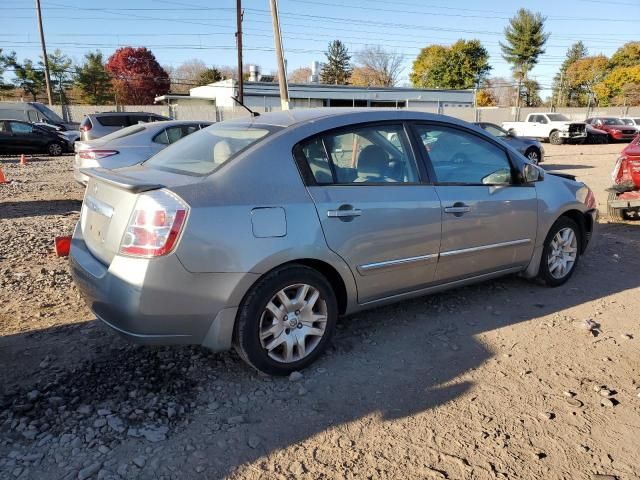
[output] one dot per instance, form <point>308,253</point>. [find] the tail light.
<point>155,225</point>
<point>96,154</point>
<point>590,200</point>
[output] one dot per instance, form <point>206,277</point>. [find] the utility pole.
<point>47,77</point>
<point>239,16</point>
<point>282,71</point>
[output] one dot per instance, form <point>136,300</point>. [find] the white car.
<point>131,145</point>
<point>552,127</point>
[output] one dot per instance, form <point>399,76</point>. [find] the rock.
<point>605,392</point>
<point>569,394</point>
<point>236,419</point>
<point>608,402</point>
<point>199,469</point>
<point>154,434</point>
<point>540,455</point>
<point>55,401</point>
<point>600,476</point>
<point>302,391</point>
<point>295,376</point>
<point>30,434</point>
<point>171,412</point>
<point>116,424</point>
<point>297,468</point>
<point>139,461</point>
<point>99,422</point>
<point>574,402</point>
<point>344,442</point>
<point>33,395</point>
<point>254,441</point>
<point>243,399</point>
<point>103,449</point>
<point>84,410</point>
<point>89,471</point>
<point>546,415</point>
<point>103,412</point>
<point>627,336</point>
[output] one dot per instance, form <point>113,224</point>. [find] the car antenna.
<point>253,114</point>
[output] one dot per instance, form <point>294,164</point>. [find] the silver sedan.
<point>260,233</point>
<point>130,145</point>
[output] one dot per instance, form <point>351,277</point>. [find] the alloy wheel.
<point>55,149</point>
<point>533,156</point>
<point>563,253</point>
<point>293,323</point>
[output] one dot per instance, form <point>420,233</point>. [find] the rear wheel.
<point>555,138</point>
<point>286,320</point>
<point>561,252</point>
<point>54,149</point>
<point>614,213</point>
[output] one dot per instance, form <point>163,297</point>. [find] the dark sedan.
<point>21,137</point>
<point>529,147</point>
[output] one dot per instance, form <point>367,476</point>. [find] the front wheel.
<point>286,320</point>
<point>555,138</point>
<point>54,149</point>
<point>533,154</point>
<point>561,252</point>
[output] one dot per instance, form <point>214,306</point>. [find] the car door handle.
<point>457,208</point>
<point>344,213</point>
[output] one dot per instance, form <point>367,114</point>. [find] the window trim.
<point>515,175</point>
<point>309,179</point>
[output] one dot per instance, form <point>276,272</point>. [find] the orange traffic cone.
<point>2,179</point>
<point>23,159</point>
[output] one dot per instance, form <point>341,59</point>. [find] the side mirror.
<point>531,173</point>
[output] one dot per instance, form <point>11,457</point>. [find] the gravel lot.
<point>498,380</point>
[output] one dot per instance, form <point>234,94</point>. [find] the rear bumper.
<point>157,301</point>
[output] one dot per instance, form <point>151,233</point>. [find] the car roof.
<point>124,113</point>
<point>289,118</point>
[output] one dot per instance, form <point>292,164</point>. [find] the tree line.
<point>133,75</point>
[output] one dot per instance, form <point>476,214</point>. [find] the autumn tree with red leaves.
<point>137,76</point>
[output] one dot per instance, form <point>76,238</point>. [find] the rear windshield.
<point>112,120</point>
<point>557,117</point>
<point>124,132</point>
<point>205,151</point>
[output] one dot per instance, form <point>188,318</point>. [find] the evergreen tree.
<point>525,40</point>
<point>563,93</point>
<point>93,80</point>
<point>60,71</point>
<point>337,69</point>
<point>209,75</point>
<point>6,61</point>
<point>29,78</point>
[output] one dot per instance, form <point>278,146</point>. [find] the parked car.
<point>96,125</point>
<point>624,195</point>
<point>70,136</point>
<point>616,129</point>
<point>596,136</point>
<point>22,137</point>
<point>34,112</point>
<point>552,127</point>
<point>632,122</point>
<point>131,145</point>
<point>529,147</point>
<point>260,232</point>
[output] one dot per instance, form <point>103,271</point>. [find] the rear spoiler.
<point>120,181</point>
<point>563,175</point>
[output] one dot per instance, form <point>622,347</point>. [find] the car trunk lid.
<point>109,200</point>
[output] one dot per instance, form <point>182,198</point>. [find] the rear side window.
<point>205,151</point>
<point>370,154</point>
<point>173,134</point>
<point>459,157</point>
<point>17,127</point>
<point>112,120</point>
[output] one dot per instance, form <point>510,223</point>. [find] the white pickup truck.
<point>552,127</point>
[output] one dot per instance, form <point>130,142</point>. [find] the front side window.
<point>459,157</point>
<point>494,130</point>
<point>364,154</point>
<point>17,127</point>
<point>205,151</point>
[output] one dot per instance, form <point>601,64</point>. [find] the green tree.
<point>530,93</point>
<point>337,69</point>
<point>465,64</point>
<point>209,75</point>
<point>525,39</point>
<point>29,78</point>
<point>6,61</point>
<point>564,94</point>
<point>93,80</point>
<point>61,74</point>
<point>626,56</point>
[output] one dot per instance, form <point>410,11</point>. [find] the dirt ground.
<point>498,380</point>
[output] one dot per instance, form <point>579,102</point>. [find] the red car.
<point>615,128</point>
<point>624,195</point>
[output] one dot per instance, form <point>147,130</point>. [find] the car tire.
<point>555,138</point>
<point>617,214</point>
<point>278,335</point>
<point>54,149</point>
<point>562,244</point>
<point>533,154</point>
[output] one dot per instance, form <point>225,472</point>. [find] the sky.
<point>176,31</point>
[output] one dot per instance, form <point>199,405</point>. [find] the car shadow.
<point>390,363</point>
<point>36,208</point>
<point>561,166</point>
